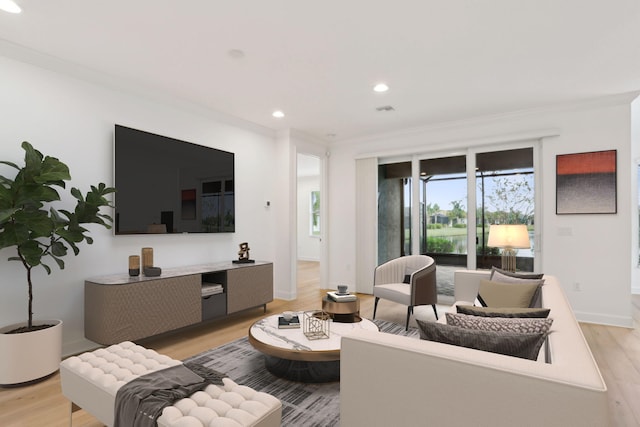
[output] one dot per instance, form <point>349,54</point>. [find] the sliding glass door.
<point>394,210</point>
<point>505,195</point>
<point>443,210</point>
<point>445,228</point>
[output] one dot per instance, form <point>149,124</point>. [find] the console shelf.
<point>119,307</point>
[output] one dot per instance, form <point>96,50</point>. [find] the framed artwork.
<point>586,183</point>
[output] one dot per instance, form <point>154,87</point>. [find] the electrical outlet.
<point>577,287</point>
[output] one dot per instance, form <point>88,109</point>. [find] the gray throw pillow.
<point>519,275</point>
<point>503,311</point>
<point>525,346</point>
<point>500,324</point>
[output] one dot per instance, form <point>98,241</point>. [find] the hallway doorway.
<point>309,223</point>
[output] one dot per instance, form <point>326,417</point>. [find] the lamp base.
<point>509,259</point>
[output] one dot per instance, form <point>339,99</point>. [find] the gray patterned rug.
<point>303,405</point>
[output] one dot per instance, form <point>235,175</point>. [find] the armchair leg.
<point>435,311</point>
<point>375,307</point>
<point>409,311</point>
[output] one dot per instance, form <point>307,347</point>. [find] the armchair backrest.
<point>395,270</point>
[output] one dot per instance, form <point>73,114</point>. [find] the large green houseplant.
<point>38,231</point>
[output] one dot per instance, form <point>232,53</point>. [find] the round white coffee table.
<point>290,354</point>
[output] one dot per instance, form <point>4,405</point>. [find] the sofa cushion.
<point>503,276</point>
<point>503,311</point>
<point>500,324</point>
<point>517,275</point>
<point>499,294</point>
<point>522,345</point>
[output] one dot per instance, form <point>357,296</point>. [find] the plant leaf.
<point>32,252</point>
<point>6,214</point>
<point>13,235</point>
<point>58,249</point>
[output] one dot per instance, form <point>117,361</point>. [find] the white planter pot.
<point>29,356</point>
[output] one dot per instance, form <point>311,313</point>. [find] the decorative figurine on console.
<point>243,254</point>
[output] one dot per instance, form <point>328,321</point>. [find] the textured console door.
<point>115,313</point>
<point>249,286</point>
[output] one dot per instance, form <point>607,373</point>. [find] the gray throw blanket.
<point>140,402</point>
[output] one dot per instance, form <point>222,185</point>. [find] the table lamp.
<point>509,237</point>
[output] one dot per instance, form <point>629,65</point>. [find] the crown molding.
<point>585,104</point>
<point>72,70</point>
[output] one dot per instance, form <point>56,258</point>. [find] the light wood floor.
<point>617,351</point>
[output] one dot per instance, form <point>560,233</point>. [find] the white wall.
<point>73,120</point>
<point>635,200</point>
<point>596,255</point>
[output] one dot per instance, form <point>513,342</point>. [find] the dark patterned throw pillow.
<point>503,311</point>
<point>522,345</point>
<point>500,324</point>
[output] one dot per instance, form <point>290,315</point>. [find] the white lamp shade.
<point>514,236</point>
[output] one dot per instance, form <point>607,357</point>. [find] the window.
<point>443,213</point>
<point>394,210</point>
<point>505,195</point>
<point>314,223</point>
<point>448,228</point>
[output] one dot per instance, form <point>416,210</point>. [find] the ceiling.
<point>444,60</point>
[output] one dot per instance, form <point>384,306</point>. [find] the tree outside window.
<point>314,229</point>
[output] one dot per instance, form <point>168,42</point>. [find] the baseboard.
<point>78,346</point>
<point>287,296</point>
<point>602,319</point>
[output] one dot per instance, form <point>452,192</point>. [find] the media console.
<point>119,307</point>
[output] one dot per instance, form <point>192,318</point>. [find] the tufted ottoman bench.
<point>231,405</point>
<point>91,381</point>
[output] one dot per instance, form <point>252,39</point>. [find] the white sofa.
<point>395,380</point>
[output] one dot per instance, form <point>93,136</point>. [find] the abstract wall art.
<point>586,183</point>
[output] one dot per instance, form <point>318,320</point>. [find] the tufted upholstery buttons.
<point>231,405</point>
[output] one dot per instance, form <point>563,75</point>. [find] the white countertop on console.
<point>124,278</point>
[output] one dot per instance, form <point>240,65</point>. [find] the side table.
<point>342,312</point>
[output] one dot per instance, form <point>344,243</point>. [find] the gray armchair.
<point>408,280</point>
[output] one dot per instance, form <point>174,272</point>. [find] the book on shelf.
<point>292,323</point>
<point>211,289</point>
<point>338,297</point>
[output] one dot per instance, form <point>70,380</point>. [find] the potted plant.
<point>40,233</point>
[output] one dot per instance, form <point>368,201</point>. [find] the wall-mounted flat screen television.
<point>164,185</point>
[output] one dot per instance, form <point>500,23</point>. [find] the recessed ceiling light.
<point>9,6</point>
<point>380,87</point>
<point>385,108</point>
<point>236,53</point>
<point>278,114</point>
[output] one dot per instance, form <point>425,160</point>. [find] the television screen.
<point>164,185</point>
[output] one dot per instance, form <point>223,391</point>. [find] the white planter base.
<point>29,356</point>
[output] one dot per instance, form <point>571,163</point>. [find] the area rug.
<point>304,405</point>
